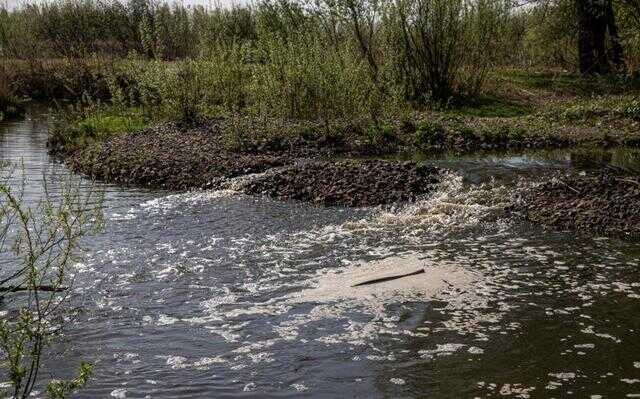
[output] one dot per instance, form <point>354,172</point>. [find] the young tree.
<point>37,246</point>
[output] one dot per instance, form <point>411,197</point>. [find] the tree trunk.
<point>591,37</point>
<point>596,22</point>
<point>616,54</point>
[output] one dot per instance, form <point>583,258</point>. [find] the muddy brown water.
<point>216,294</point>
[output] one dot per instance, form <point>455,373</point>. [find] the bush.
<point>302,80</point>
<point>38,245</point>
<point>447,46</point>
<point>429,134</point>
<point>381,134</point>
<point>10,105</point>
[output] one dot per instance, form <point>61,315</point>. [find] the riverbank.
<point>316,161</point>
<point>176,157</point>
<point>602,203</point>
<point>337,170</point>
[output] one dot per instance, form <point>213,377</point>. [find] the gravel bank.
<point>353,183</point>
<point>607,203</point>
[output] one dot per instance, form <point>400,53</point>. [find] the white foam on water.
<point>299,387</point>
<point>453,206</point>
<point>288,283</point>
<point>191,198</point>
<point>119,393</point>
<point>565,376</point>
<point>337,284</point>
<point>440,350</point>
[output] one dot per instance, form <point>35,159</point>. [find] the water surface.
<point>216,294</point>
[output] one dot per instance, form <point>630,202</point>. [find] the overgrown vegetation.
<point>38,244</point>
<point>379,65</point>
<point>10,105</point>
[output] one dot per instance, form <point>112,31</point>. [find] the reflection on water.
<point>504,165</point>
<point>216,294</point>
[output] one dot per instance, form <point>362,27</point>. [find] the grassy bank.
<point>518,110</point>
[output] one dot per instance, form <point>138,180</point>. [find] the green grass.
<point>565,83</point>
<point>99,126</point>
<point>76,130</point>
<point>493,107</point>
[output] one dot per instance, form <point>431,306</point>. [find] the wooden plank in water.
<point>388,278</point>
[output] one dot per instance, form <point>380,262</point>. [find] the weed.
<point>429,134</point>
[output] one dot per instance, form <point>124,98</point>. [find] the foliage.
<point>10,105</point>
<point>369,61</point>
<point>447,46</point>
<point>79,126</point>
<point>58,389</point>
<point>38,244</point>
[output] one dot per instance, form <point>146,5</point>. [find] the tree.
<point>599,47</point>
<point>37,247</point>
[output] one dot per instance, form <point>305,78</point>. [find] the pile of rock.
<point>348,183</point>
<point>606,203</point>
<point>168,157</point>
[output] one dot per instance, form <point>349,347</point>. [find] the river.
<point>214,294</point>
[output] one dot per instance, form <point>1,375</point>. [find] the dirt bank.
<point>606,203</point>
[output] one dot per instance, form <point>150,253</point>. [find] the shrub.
<point>446,46</point>
<point>303,80</point>
<point>38,244</point>
<point>10,105</point>
<point>381,134</point>
<point>429,134</point>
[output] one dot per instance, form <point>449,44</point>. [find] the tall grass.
<point>10,105</point>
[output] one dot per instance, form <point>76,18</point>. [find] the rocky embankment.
<point>350,183</point>
<point>606,203</point>
<point>167,157</point>
<point>174,158</point>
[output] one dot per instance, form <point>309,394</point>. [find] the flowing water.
<point>213,294</point>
